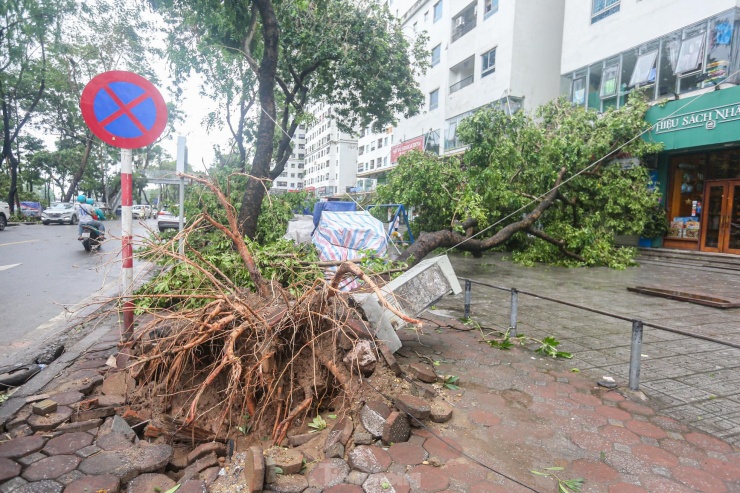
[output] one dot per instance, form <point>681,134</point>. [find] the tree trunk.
<point>81,170</point>
<point>257,185</point>
<point>428,242</point>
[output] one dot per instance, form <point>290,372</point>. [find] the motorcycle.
<point>91,238</point>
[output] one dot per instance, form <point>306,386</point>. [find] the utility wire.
<point>537,199</point>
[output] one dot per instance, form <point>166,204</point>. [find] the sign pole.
<point>127,252</point>
<point>124,110</point>
<point>181,142</point>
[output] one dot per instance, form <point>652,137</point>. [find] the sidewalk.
<point>514,412</point>
<point>694,381</point>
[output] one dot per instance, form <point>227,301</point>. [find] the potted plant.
<point>656,226</point>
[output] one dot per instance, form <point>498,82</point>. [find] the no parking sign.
<point>123,109</point>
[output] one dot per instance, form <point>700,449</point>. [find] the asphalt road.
<point>45,274</point>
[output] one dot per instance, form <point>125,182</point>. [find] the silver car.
<point>4,214</point>
<point>60,212</point>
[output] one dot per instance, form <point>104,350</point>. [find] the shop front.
<point>699,169</point>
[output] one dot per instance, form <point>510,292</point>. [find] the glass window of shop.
<point>698,56</point>
<point>687,177</point>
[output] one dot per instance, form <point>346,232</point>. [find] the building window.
<point>415,24</point>
<point>436,53</point>
<point>488,63</point>
<point>462,75</point>
<point>426,17</point>
<point>464,22</point>
<point>282,183</point>
<point>609,81</point>
<point>438,11</point>
<point>644,71</point>
<point>579,91</point>
<point>490,7</point>
<point>689,56</point>
<point>603,8</point>
<point>433,99</point>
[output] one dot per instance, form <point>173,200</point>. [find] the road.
<point>45,274</point>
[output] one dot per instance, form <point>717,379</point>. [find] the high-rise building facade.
<point>331,155</point>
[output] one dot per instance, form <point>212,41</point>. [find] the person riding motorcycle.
<point>86,216</point>
<point>98,212</point>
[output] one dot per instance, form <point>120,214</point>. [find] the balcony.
<point>462,74</point>
<point>464,22</point>
<point>463,83</point>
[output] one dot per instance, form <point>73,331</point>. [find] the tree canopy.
<point>549,182</point>
<point>268,59</point>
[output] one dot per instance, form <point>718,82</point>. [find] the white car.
<point>141,211</point>
<point>4,214</point>
<point>167,220</point>
<point>60,212</point>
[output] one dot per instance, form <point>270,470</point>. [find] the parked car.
<point>167,220</point>
<point>142,211</point>
<point>60,212</point>
<point>4,214</point>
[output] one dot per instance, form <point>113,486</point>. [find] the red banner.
<point>415,144</point>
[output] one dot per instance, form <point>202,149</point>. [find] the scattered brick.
<point>254,469</point>
<point>407,454</point>
<point>288,483</point>
<point>340,432</point>
<point>369,459</point>
<point>44,407</point>
<point>396,428</point>
<point>328,472</point>
<point>441,412</point>
<point>203,449</point>
<point>423,372</point>
<point>50,421</point>
<point>373,415</point>
<point>415,406</point>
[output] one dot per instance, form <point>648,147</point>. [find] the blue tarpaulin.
<point>331,207</point>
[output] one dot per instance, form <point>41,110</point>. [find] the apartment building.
<point>292,177</point>
<point>373,156</point>
<point>497,53</point>
<point>684,55</point>
<point>331,155</point>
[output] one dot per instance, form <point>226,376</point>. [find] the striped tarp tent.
<point>344,235</point>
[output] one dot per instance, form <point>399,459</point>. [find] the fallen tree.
<point>217,354</point>
<point>550,187</point>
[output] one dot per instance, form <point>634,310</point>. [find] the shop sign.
<point>707,118</point>
<point>398,150</point>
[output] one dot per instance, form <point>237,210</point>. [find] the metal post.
<point>181,152</point>
<point>635,355</point>
<point>468,289</point>
<point>513,312</point>
<point>127,251</point>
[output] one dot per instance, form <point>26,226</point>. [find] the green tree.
<point>98,37</point>
<point>28,29</point>
<point>350,55</point>
<point>538,180</point>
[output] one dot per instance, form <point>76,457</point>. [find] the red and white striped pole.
<point>127,252</point>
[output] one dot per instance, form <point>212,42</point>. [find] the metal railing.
<point>461,31</point>
<point>637,325</point>
<point>463,83</point>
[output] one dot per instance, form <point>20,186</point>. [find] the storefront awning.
<point>708,119</point>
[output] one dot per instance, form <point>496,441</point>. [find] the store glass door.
<point>721,222</point>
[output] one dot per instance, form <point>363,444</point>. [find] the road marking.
<point>6,267</point>
<point>17,242</point>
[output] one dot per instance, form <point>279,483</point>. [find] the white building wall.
<point>636,22</point>
<point>331,155</point>
<point>537,44</point>
<point>292,177</point>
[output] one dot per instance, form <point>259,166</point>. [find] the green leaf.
<point>539,473</point>
<point>554,469</point>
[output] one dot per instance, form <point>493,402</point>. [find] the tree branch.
<point>558,243</point>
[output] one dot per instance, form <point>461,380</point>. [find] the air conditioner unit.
<point>459,22</point>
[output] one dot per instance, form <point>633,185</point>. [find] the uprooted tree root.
<point>263,356</point>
